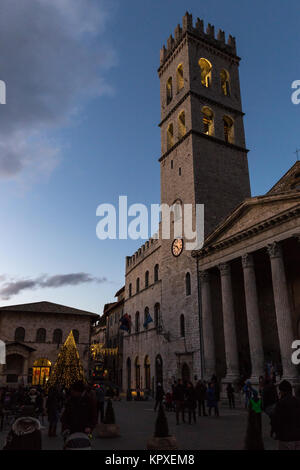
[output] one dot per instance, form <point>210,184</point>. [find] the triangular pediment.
<point>290,181</point>
<point>252,213</point>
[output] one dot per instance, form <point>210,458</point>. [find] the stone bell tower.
<point>203,154</point>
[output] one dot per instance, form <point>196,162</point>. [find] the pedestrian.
<point>159,395</point>
<point>201,390</point>
<point>247,391</point>
<point>191,402</point>
<point>25,433</point>
<point>78,415</point>
<point>230,396</point>
<point>212,401</point>
<point>53,407</point>
<point>100,395</point>
<point>178,396</point>
<point>285,418</point>
<point>254,440</point>
<point>269,397</point>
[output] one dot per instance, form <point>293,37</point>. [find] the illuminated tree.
<point>68,367</point>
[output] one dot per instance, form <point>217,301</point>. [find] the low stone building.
<point>33,334</point>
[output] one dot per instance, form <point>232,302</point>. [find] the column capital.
<point>224,269</point>
<point>204,276</point>
<point>274,250</point>
<point>247,260</point>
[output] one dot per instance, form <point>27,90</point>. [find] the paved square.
<point>137,421</point>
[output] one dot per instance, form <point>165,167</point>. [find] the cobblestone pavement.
<point>137,420</point>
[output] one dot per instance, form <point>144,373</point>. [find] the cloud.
<point>14,286</point>
<point>52,60</point>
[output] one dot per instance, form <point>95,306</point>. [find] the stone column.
<point>283,311</point>
<point>207,327</point>
<point>253,320</point>
<point>25,371</point>
<point>231,350</point>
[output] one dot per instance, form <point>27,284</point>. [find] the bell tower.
<point>203,154</point>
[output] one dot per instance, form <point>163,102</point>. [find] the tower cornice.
<point>203,98</point>
<point>205,136</point>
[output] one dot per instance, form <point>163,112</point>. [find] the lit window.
<point>208,121</point>
<point>206,68</point>
<point>224,75</point>
<point>180,79</point>
<point>169,89</point>
<point>228,129</point>
<point>170,136</point>
<point>181,125</point>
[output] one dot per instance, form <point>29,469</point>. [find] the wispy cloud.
<point>15,286</point>
<point>52,59</point>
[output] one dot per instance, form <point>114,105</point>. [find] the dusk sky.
<point>80,127</point>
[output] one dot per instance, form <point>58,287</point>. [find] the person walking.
<point>178,396</point>
<point>53,407</point>
<point>212,401</point>
<point>201,390</point>
<point>254,440</point>
<point>269,397</point>
<point>230,396</point>
<point>78,415</point>
<point>191,402</point>
<point>247,391</point>
<point>100,396</point>
<point>285,418</point>
<point>159,395</point>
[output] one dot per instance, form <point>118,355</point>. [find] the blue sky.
<point>80,126</point>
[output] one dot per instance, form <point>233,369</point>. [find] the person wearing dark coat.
<point>230,395</point>
<point>53,406</point>
<point>79,413</point>
<point>159,395</point>
<point>269,397</point>
<point>178,397</point>
<point>212,401</point>
<point>200,390</point>
<point>191,402</point>
<point>285,419</point>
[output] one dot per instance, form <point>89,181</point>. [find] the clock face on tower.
<point>177,247</point>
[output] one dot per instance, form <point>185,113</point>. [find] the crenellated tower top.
<point>198,30</point>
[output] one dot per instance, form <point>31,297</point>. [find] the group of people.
<point>187,397</point>
<point>283,409</point>
<point>78,409</point>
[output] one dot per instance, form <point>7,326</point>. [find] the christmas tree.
<point>161,425</point>
<point>67,368</point>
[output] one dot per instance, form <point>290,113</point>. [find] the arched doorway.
<point>14,367</point>
<point>41,371</point>
<point>128,373</point>
<point>147,373</point>
<point>137,373</point>
<point>185,372</point>
<point>158,369</point>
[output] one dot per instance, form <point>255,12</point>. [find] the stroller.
<point>77,441</point>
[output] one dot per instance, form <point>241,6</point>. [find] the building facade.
<point>203,161</point>
<point>33,334</point>
<point>249,270</point>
